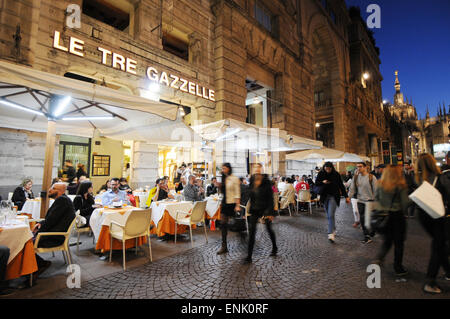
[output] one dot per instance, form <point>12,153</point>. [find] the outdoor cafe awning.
<point>325,154</point>
<point>236,135</point>
<point>26,94</point>
<point>39,101</point>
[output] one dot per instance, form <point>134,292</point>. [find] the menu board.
<point>101,165</point>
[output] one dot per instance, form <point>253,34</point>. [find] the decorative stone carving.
<point>195,49</point>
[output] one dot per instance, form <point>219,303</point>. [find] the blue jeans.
<point>330,206</point>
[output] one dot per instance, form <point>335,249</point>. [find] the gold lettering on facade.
<point>56,40</point>
<point>76,46</point>
<point>183,86</point>
<point>173,84</point>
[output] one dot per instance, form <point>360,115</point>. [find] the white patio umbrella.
<point>39,101</point>
<point>315,155</point>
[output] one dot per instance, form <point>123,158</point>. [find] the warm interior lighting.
<point>20,107</point>
<point>366,76</point>
<point>317,124</point>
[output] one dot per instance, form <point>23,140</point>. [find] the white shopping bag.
<point>368,214</point>
<point>429,199</point>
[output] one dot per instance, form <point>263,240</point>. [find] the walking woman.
<point>427,170</point>
<point>261,205</point>
<point>84,201</point>
<point>332,188</point>
<point>231,191</point>
<point>391,196</point>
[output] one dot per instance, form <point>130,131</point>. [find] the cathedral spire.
<point>428,113</point>
<point>397,83</point>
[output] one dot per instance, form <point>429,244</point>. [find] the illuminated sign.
<point>126,64</point>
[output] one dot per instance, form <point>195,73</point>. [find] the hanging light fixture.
<point>20,107</point>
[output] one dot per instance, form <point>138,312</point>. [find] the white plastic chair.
<point>10,195</point>
<point>64,247</point>
<point>304,196</point>
<point>137,225</point>
<point>80,230</point>
<point>197,215</point>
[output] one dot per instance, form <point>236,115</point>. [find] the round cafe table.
<point>164,214</point>
<point>33,207</point>
<point>100,221</point>
<point>17,236</point>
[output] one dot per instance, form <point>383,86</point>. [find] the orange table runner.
<point>216,215</point>
<point>104,241</point>
<point>167,226</point>
<point>23,264</point>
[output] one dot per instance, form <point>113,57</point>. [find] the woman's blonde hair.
<point>26,181</point>
<point>392,178</point>
<point>426,166</point>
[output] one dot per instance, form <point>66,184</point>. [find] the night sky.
<point>414,39</point>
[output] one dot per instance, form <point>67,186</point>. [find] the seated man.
<point>212,188</point>
<point>4,286</point>
<point>302,186</point>
<point>114,194</point>
<point>191,192</point>
<point>58,219</point>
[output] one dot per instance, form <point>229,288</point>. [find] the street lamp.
<point>366,76</point>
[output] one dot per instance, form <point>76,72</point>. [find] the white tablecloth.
<point>158,209</point>
<point>33,207</point>
<point>14,236</point>
<point>101,218</point>
<point>212,205</point>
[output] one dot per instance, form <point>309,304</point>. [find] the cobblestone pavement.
<point>308,266</point>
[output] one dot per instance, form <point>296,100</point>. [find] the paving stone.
<point>308,266</point>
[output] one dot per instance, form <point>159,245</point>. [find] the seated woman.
<point>163,192</point>
<point>22,193</point>
<point>288,194</point>
<point>105,187</point>
<point>84,200</point>
<point>124,185</point>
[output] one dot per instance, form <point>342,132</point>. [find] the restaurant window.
<point>176,45</point>
<point>76,149</point>
<point>333,16</point>
<point>263,16</point>
<point>319,98</point>
<point>101,165</point>
<point>115,13</point>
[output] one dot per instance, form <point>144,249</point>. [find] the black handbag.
<point>318,189</point>
<point>379,219</point>
<point>237,224</point>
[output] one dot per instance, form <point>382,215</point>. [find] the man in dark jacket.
<point>58,219</point>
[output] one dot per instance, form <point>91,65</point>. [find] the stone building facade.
<point>286,64</point>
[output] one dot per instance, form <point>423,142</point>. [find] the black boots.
<point>223,250</point>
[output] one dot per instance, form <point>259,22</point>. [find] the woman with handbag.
<point>231,190</point>
<point>330,187</point>
<point>427,170</point>
<point>391,197</point>
<point>261,205</point>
